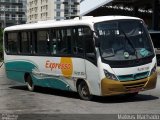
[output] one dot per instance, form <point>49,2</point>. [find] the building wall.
<point>40,10</point>
<point>12,12</point>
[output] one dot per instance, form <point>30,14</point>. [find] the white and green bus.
<point>100,56</point>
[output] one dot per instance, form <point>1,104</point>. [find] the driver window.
<point>78,43</point>
<point>83,43</point>
<point>89,45</point>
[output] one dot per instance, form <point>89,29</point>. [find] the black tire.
<point>83,91</point>
<point>131,94</point>
<point>29,83</point>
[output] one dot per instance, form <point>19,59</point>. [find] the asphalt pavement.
<point>17,100</point>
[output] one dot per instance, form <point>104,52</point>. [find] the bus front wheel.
<point>29,83</point>
<point>83,91</point>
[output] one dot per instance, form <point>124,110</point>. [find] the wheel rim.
<point>30,83</point>
<point>83,91</point>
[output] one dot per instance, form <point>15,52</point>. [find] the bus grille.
<point>130,77</point>
<point>132,86</point>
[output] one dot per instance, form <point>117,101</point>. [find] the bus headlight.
<point>153,69</point>
<point>110,75</point>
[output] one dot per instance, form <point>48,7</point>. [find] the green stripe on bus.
<point>16,70</point>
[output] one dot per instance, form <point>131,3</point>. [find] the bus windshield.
<point>123,40</point>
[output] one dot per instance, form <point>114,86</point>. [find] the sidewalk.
<point>2,72</point>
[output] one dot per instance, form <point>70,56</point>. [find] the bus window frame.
<point>29,41</point>
<point>6,43</point>
<point>33,46</point>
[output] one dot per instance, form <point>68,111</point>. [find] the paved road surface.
<point>15,98</point>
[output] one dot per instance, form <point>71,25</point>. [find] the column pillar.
<point>155,15</point>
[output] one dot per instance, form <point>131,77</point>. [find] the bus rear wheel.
<point>29,83</point>
<point>83,91</point>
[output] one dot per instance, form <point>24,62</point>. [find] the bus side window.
<point>12,42</point>
<point>43,42</point>
<point>6,42</point>
<point>68,39</point>
<point>88,38</point>
<point>34,42</point>
<point>89,45</point>
<point>60,42</point>
<point>63,41</point>
<point>25,42</point>
<point>53,42</point>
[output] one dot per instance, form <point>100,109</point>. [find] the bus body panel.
<point>17,67</point>
<point>46,73</point>
<point>93,78</point>
<point>54,72</point>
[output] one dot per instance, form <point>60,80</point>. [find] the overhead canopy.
<point>149,10</point>
<point>88,6</point>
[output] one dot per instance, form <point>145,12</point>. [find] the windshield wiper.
<point>129,41</point>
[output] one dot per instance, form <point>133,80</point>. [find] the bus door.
<point>84,52</point>
<point>92,70</point>
<point>78,49</point>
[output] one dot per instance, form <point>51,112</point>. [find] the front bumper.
<point>112,87</point>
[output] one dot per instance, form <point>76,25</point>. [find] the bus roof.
<point>71,22</point>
